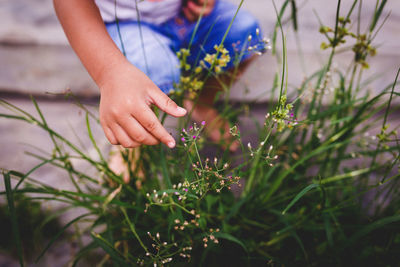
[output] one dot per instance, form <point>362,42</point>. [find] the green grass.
<point>315,191</point>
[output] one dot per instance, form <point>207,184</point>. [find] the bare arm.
<point>126,92</point>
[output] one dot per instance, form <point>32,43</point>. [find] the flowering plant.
<point>297,195</point>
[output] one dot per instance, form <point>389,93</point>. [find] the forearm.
<point>88,36</point>
<point>126,92</point>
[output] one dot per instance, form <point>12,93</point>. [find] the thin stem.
<point>133,229</point>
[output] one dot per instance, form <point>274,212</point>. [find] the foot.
<point>120,166</point>
<point>217,129</point>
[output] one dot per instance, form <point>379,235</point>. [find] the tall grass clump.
<point>317,186</point>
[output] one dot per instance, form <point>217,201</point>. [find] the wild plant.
<point>296,195</point>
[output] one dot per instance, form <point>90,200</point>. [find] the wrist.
<point>110,71</point>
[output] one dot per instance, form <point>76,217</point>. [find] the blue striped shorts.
<point>155,55</point>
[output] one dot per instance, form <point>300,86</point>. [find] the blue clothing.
<point>156,57</point>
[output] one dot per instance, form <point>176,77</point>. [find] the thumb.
<point>166,104</point>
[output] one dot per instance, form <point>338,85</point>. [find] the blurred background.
<point>37,60</point>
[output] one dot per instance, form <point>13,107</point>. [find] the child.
<point>151,32</point>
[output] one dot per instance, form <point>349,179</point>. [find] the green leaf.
<point>346,175</point>
<point>14,222</point>
<point>116,255</point>
<point>231,238</point>
<point>24,176</point>
<point>235,208</point>
<point>85,250</point>
<point>279,16</point>
<point>324,147</point>
<point>299,196</point>
<point>59,234</point>
<point>164,168</point>
<point>133,229</point>
<point>294,14</point>
<point>92,138</point>
<point>371,227</point>
<point>377,15</point>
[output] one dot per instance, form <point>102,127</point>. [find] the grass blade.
<point>24,176</point>
<point>274,36</point>
<point>92,138</point>
<point>110,249</point>
<point>299,196</point>
<point>371,227</point>
<point>313,153</point>
<point>346,175</point>
<point>11,207</point>
<point>231,238</point>
<point>133,229</point>
<point>56,146</point>
<point>294,14</point>
<point>59,234</point>
<point>85,250</point>
<point>377,15</point>
<point>164,168</point>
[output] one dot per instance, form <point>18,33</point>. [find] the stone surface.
<point>43,69</point>
<point>29,23</point>
<point>20,138</point>
<point>303,48</point>
<point>36,59</point>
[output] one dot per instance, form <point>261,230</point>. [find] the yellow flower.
<point>209,58</point>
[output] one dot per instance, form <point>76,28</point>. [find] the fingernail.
<point>171,144</point>
<point>181,110</point>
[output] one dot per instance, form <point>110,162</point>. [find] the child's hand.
<point>195,8</point>
<point>125,113</point>
<point>126,92</point>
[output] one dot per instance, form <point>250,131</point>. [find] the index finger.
<point>151,123</point>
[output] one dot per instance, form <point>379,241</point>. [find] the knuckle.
<point>128,102</point>
<point>136,145</point>
<point>102,122</point>
<point>154,142</point>
<point>151,126</point>
<point>115,112</point>
<point>113,142</point>
<point>169,102</point>
<point>109,135</point>
<point>126,143</point>
<point>140,138</point>
<point>151,142</point>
